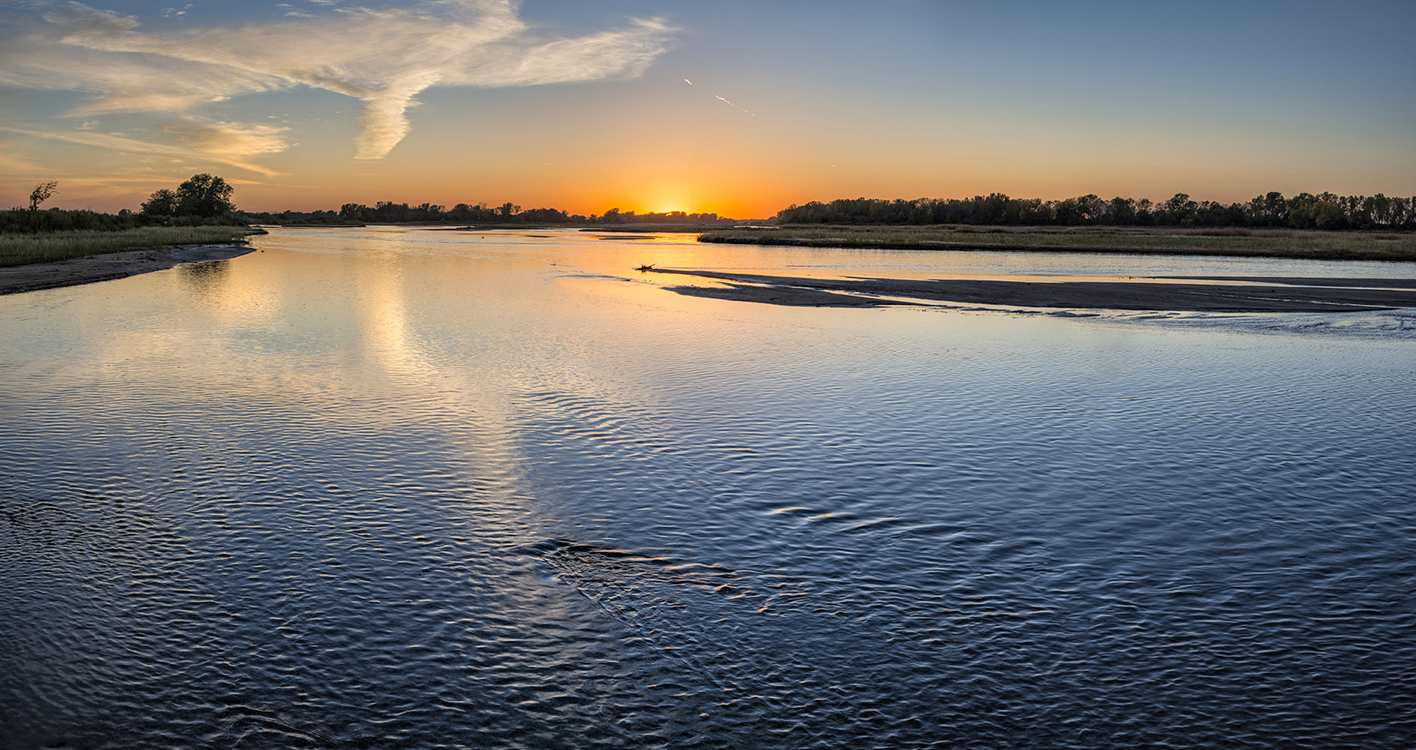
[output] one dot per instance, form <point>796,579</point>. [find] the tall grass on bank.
<point>23,221</point>
<point>1273,243</point>
<point>20,249</point>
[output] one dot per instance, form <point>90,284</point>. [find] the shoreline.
<point>1188,294</point>
<point>32,277</point>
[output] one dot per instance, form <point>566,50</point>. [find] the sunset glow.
<point>737,110</point>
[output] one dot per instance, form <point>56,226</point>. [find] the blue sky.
<point>735,107</point>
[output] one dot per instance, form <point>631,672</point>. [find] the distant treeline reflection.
<point>1302,211</point>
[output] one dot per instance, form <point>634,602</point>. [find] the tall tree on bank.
<point>203,196</point>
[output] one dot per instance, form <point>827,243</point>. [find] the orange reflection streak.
<point>391,339</point>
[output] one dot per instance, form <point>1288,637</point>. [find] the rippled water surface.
<point>385,488</point>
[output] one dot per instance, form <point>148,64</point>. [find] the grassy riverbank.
<point>21,249</point>
<point>1274,243</point>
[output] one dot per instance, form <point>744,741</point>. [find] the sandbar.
<point>1191,294</point>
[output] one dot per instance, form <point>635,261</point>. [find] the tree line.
<point>388,212</point>
<point>206,199</point>
<point>1303,211</point>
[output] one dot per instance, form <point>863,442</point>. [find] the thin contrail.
<point>734,106</point>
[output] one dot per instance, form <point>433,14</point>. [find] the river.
<point>406,488</point>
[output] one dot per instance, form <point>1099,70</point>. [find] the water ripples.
<point>599,519</point>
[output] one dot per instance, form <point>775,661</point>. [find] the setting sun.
<point>670,196</point>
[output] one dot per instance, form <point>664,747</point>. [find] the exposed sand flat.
<point>1264,295</point>
<point>1308,281</point>
<point>26,278</point>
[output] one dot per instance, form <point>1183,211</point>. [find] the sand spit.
<point>34,276</point>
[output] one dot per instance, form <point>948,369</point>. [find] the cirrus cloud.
<point>383,57</point>
<point>119,142</point>
<point>228,138</point>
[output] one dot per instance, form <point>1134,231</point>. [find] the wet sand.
<point>34,276</point>
<point>1189,294</point>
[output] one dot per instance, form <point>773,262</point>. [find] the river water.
<point>410,488</point>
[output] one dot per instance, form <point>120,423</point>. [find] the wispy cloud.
<point>119,142</point>
<point>12,164</point>
<point>383,57</point>
<point>228,138</point>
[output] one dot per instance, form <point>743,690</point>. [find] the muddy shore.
<point>1227,294</point>
<point>34,276</point>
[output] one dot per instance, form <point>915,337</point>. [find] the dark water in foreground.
<point>416,489</point>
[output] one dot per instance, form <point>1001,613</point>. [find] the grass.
<point>21,249</point>
<point>1273,243</point>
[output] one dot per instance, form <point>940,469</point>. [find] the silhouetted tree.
<point>41,193</point>
<point>162,203</point>
<point>1269,210</point>
<point>1121,211</point>
<point>353,211</point>
<point>205,196</point>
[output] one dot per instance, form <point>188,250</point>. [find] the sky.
<point>735,108</point>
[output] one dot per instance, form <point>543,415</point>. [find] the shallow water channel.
<point>413,488</point>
